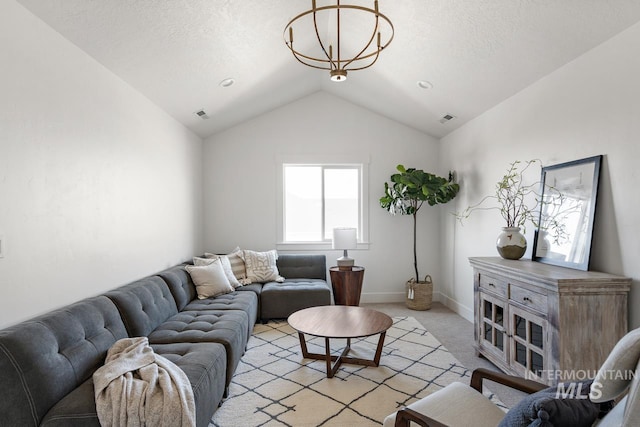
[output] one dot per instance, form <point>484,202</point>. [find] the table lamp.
<point>345,238</point>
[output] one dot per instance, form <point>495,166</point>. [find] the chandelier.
<point>360,58</point>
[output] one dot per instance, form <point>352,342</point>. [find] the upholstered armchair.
<point>614,398</point>
<point>460,404</point>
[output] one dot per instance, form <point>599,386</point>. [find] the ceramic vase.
<point>511,243</point>
<point>544,244</point>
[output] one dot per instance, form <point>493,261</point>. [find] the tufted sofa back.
<point>180,284</point>
<point>297,266</point>
<point>144,304</point>
<point>45,358</point>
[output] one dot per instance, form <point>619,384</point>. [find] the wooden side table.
<point>347,285</point>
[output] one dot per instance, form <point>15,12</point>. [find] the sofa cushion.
<point>245,301</point>
<point>144,305</point>
<point>76,409</point>
<point>455,405</point>
<point>205,364</point>
<point>44,359</point>
<point>180,284</point>
<point>202,363</point>
<point>301,266</point>
<point>279,300</point>
<point>227,327</point>
<point>256,288</point>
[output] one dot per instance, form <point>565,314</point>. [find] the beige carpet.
<point>275,386</point>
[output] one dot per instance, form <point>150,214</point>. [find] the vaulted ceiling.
<point>474,53</point>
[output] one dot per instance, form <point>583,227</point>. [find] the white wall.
<point>98,187</point>
<point>590,106</point>
<point>240,184</point>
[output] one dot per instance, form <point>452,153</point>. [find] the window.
<point>317,197</point>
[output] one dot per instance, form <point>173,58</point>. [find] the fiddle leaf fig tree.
<point>410,189</point>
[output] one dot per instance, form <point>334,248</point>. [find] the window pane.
<point>499,315</point>
<point>318,198</point>
<point>536,335</point>
<point>521,354</point>
<point>521,327</point>
<point>499,340</point>
<point>303,203</point>
<point>488,310</point>
<point>536,362</point>
<point>488,329</point>
<point>341,190</point>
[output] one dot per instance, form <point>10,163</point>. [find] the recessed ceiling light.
<point>227,82</point>
<point>423,84</point>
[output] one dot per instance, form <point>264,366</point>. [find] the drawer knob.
<point>526,299</point>
<point>492,285</point>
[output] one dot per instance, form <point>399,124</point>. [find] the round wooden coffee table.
<point>340,321</point>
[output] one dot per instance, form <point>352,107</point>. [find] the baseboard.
<point>454,305</point>
<point>382,297</point>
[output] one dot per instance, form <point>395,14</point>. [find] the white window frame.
<point>339,160</point>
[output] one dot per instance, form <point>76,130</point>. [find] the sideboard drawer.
<point>529,298</point>
<point>494,285</point>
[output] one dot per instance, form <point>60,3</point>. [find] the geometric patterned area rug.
<point>275,386</point>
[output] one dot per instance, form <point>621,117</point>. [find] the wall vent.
<point>446,118</point>
<point>202,114</point>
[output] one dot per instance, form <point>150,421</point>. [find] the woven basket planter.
<point>419,294</point>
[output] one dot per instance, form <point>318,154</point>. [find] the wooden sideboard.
<point>546,322</point>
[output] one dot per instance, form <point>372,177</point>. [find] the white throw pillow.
<point>210,279</point>
<point>261,266</point>
<point>226,266</point>
<point>237,265</point>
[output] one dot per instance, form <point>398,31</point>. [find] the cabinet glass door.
<point>529,342</point>
<point>492,325</point>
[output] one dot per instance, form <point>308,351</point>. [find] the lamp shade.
<point>345,238</point>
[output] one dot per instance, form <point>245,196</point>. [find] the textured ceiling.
<point>475,53</point>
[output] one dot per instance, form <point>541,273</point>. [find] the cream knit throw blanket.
<point>137,387</point>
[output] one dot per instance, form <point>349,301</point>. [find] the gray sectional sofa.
<point>47,363</point>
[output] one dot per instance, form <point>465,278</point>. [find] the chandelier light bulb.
<point>338,75</point>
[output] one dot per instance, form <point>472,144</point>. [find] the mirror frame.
<point>547,173</point>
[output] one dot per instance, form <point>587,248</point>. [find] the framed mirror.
<point>568,205</point>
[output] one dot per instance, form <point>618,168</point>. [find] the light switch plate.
<point>2,248</point>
